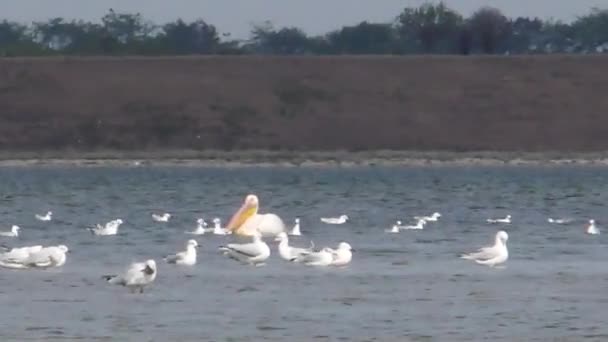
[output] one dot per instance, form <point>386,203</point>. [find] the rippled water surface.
<point>407,286</point>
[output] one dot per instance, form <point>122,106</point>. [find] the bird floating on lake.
<point>14,232</point>
<point>161,218</point>
<point>296,228</point>
<point>592,229</point>
<point>47,217</point>
<point>335,220</point>
<point>500,220</point>
<point>493,255</point>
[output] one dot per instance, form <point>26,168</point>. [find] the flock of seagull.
<point>246,222</point>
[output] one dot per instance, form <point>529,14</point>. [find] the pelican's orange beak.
<point>247,210</point>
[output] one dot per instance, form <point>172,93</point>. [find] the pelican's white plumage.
<point>296,228</point>
<point>110,228</point>
<point>507,219</point>
<point>493,255</point>
<point>288,252</point>
<point>246,221</point>
<point>187,257</point>
<point>335,220</point>
<point>47,217</point>
<point>136,277</point>
<point>592,228</point>
<point>254,253</point>
<point>14,232</point>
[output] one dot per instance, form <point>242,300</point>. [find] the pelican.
<point>296,228</point>
<point>591,228</point>
<point>502,220</point>
<point>494,255</point>
<point>47,217</point>
<point>246,221</point>
<point>13,233</point>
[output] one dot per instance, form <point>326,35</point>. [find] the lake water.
<point>400,287</point>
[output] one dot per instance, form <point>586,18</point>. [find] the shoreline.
<point>260,158</point>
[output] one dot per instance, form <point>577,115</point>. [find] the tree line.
<point>428,29</point>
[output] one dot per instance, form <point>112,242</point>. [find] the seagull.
<point>13,233</point>
<point>296,228</point>
<point>254,253</point>
<point>137,276</point>
<point>161,218</point>
<point>20,254</point>
<point>504,220</point>
<point>324,257</point>
<point>110,228</point>
<point>433,218</point>
<point>32,257</point>
<point>559,221</point>
<point>342,255</point>
<point>420,225</point>
<point>217,227</point>
<point>494,255</point>
<point>201,227</point>
<point>335,220</point>
<point>288,252</point>
<point>395,228</point>
<point>47,217</point>
<point>187,257</point>
<point>592,229</point>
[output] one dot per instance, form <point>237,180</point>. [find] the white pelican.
<point>161,218</point>
<point>432,218</point>
<point>288,252</point>
<point>246,221</point>
<point>110,228</point>
<point>494,255</point>
<point>592,229</point>
<point>335,220</point>
<point>13,233</point>
<point>137,276</point>
<point>187,257</point>
<point>296,228</point>
<point>559,221</point>
<point>254,253</point>
<point>47,217</point>
<point>502,220</point>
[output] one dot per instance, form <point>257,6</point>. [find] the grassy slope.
<point>557,103</point>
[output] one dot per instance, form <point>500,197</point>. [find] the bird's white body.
<point>288,252</point>
<point>493,255</point>
<point>137,276</point>
<point>253,253</point>
<point>34,257</point>
<point>501,220</point>
<point>47,217</point>
<point>342,255</point>
<point>110,228</point>
<point>559,221</point>
<point>19,255</point>
<point>324,257</point>
<point>433,218</point>
<point>592,228</point>
<point>217,227</point>
<point>335,220</point>
<point>161,218</point>
<point>201,228</point>
<point>419,225</point>
<point>14,232</point>
<point>246,221</point>
<point>296,228</point>
<point>396,227</point>
<point>187,257</point>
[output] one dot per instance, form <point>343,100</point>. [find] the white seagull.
<point>14,232</point>
<point>324,257</point>
<point>503,220</point>
<point>395,228</point>
<point>217,227</point>
<point>419,225</point>
<point>559,220</point>
<point>110,228</point>
<point>31,257</point>
<point>254,253</point>
<point>335,220</point>
<point>187,257</point>
<point>494,255</point>
<point>201,227</point>
<point>137,276</point>
<point>592,229</point>
<point>288,252</point>
<point>161,218</point>
<point>20,254</point>
<point>342,255</point>
<point>432,218</point>
<point>47,217</point>
<point>296,228</point>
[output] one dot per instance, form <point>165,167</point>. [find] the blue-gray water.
<point>408,286</point>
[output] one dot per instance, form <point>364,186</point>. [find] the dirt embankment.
<point>542,103</point>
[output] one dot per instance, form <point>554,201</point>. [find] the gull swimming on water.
<point>187,257</point>
<point>296,228</point>
<point>288,252</point>
<point>217,227</point>
<point>201,227</point>
<point>46,217</point>
<point>494,255</point>
<point>419,225</point>
<point>433,218</point>
<point>592,229</point>
<point>395,228</point>
<point>502,220</point>
<point>161,218</point>
<point>328,256</point>
<point>254,253</point>
<point>32,257</point>
<point>335,220</point>
<point>559,220</point>
<point>110,228</point>
<point>13,233</point>
<point>137,276</point>
<point>342,255</point>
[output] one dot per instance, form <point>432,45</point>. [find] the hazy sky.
<point>314,16</point>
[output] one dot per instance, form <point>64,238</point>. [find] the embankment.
<point>529,103</point>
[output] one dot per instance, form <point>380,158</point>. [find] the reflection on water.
<point>408,286</point>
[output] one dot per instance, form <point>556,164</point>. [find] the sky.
<point>313,16</point>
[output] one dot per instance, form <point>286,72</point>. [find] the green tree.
<point>364,38</point>
<point>197,37</point>
<point>491,28</point>
<point>286,41</point>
